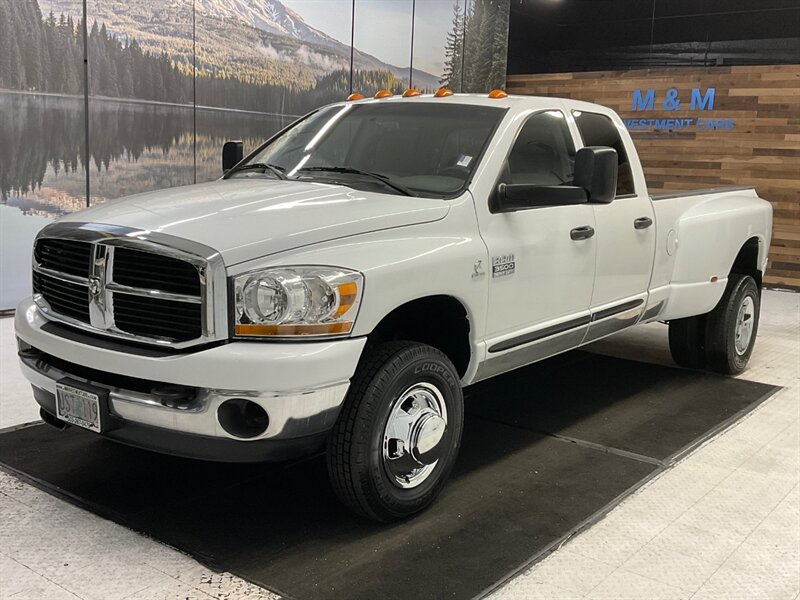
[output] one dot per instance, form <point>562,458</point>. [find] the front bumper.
<point>301,386</point>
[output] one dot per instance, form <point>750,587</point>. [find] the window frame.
<point>493,208</point>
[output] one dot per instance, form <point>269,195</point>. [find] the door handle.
<point>642,223</point>
<point>582,233</point>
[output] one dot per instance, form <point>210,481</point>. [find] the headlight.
<point>296,301</point>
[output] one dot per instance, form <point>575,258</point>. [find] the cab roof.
<point>511,101</point>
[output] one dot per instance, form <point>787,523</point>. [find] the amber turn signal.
<point>348,292</point>
<point>443,93</point>
<point>383,94</point>
<point>497,94</point>
<point>355,96</point>
<point>300,329</point>
<point>411,92</point>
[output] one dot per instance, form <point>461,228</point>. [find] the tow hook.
<point>174,396</point>
<point>51,420</point>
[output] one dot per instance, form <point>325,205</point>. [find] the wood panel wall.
<point>763,149</point>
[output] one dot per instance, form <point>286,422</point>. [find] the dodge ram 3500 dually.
<point>340,285</point>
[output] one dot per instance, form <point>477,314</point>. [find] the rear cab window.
<point>599,130</point>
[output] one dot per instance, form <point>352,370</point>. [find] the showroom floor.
<point>723,523</point>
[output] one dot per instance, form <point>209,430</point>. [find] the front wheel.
<point>399,431</point>
<point>732,326</point>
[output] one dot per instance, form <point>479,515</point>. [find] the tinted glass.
<point>543,153</point>
<point>430,149</point>
<point>599,130</point>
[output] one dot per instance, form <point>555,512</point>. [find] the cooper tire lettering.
<point>430,367</point>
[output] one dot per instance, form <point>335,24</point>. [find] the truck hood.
<point>244,219</point>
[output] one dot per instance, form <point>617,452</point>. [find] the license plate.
<point>78,407</point>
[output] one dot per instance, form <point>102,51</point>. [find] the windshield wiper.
<point>274,169</point>
<point>380,177</point>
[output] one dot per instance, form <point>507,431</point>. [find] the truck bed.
<point>699,192</point>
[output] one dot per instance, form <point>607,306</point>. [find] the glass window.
<point>429,149</point>
<point>543,153</point>
<point>599,130</point>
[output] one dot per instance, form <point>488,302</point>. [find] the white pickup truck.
<point>338,287</point>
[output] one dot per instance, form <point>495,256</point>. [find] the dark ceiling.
<point>578,35</point>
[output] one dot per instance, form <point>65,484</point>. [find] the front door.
<point>542,260</point>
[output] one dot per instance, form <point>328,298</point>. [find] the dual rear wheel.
<point>723,339</point>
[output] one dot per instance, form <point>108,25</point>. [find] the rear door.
<point>625,232</point>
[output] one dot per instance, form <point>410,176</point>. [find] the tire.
<point>687,342</point>
<point>380,473</point>
<point>728,343</point>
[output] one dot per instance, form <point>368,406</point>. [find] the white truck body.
<point>527,288</point>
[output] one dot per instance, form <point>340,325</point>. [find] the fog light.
<point>242,418</point>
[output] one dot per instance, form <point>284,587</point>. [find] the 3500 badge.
<point>503,265</point>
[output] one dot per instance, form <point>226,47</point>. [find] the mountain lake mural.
<point>169,83</point>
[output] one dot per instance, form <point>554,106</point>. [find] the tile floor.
<point>723,523</point>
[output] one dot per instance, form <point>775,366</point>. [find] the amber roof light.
<point>411,93</point>
<point>443,93</point>
<point>355,96</point>
<point>497,94</point>
<point>383,94</point>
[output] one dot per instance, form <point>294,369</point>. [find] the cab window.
<point>543,153</point>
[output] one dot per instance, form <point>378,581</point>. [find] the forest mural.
<point>169,82</point>
<point>476,46</point>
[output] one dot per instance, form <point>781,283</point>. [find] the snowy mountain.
<point>254,40</point>
<point>267,15</point>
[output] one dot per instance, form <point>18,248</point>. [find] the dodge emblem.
<point>95,286</point>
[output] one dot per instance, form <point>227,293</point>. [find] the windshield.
<point>421,149</point>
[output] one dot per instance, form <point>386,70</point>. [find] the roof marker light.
<point>383,94</point>
<point>497,94</point>
<point>355,96</point>
<point>411,93</point>
<point>443,93</point>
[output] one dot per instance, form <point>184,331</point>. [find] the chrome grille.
<point>65,256</point>
<point>169,319</point>
<point>122,284</point>
<point>69,299</point>
<point>155,271</point>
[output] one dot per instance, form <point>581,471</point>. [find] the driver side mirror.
<point>521,196</point>
<point>596,170</point>
<point>595,180</point>
<point>232,154</point>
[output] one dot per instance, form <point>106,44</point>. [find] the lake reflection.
<point>134,147</point>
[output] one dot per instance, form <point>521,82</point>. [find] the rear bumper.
<point>300,386</point>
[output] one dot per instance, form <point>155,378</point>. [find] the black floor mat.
<point>642,408</point>
<point>545,448</point>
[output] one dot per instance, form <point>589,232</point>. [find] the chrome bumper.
<point>301,386</point>
<point>297,414</point>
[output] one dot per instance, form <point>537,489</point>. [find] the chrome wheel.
<point>414,430</point>
<point>745,321</point>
